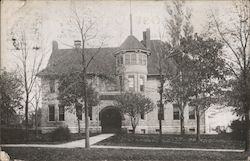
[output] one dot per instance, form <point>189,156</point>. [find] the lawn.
<point>60,154</point>
<point>42,139</point>
<point>174,141</point>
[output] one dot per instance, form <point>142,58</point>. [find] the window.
<point>119,59</point>
<point>133,59</point>
<point>140,59</point>
<point>52,86</point>
<point>176,112</point>
<point>191,113</point>
<point>144,59</point>
<point>127,59</point>
<point>51,112</point>
<point>79,111</point>
<point>131,83</point>
<point>142,82</point>
<point>61,112</point>
<point>90,112</point>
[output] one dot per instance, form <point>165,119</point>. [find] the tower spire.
<point>131,29</point>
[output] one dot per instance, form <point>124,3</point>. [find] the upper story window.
<point>51,112</point>
<point>191,113</point>
<point>142,59</point>
<point>119,59</point>
<point>131,83</point>
<point>127,59</point>
<point>142,83</point>
<point>176,112</point>
<point>133,59</point>
<point>52,86</point>
<point>61,113</point>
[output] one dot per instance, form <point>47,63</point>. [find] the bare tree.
<point>35,102</point>
<point>30,63</point>
<point>178,26</point>
<point>27,40</point>
<point>235,35</point>
<point>165,67</point>
<point>85,27</point>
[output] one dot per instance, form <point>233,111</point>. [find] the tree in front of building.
<point>11,95</point>
<point>134,105</point>
<point>235,35</point>
<point>178,25</point>
<point>71,95</point>
<point>207,71</point>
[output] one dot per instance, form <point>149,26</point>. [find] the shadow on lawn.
<point>174,141</point>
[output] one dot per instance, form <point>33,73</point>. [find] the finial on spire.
<point>131,29</point>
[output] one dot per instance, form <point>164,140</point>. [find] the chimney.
<point>54,46</point>
<point>77,44</point>
<point>146,38</point>
<point>147,42</point>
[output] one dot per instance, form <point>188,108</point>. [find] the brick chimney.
<point>54,46</point>
<point>146,38</point>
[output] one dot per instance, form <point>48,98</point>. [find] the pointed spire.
<point>131,29</point>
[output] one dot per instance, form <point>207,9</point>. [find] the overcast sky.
<point>111,17</point>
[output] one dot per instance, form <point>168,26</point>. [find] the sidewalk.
<point>98,138</point>
<point>73,144</point>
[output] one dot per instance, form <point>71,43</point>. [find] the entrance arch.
<point>111,120</point>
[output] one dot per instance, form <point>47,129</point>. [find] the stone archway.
<point>111,120</point>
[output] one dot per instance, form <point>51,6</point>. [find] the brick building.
<point>139,74</point>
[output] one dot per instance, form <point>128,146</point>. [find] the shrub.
<point>60,134</point>
<point>238,130</point>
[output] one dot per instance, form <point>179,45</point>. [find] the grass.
<point>44,139</point>
<point>56,154</point>
<point>174,141</point>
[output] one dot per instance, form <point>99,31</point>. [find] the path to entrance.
<point>98,138</point>
<point>73,144</point>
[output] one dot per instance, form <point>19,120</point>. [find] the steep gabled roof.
<point>64,61</point>
<point>132,42</point>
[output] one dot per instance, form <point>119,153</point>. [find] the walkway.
<point>98,138</point>
<point>73,144</point>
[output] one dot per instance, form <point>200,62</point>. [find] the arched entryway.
<point>111,120</point>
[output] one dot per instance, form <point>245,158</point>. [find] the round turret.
<point>131,62</point>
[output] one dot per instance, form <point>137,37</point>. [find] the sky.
<point>111,20</point>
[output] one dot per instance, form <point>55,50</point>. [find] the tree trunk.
<point>197,125</point>
<point>161,113</point>
<point>182,124</point>
<point>36,124</point>
<point>160,131</point>
<point>84,76</point>
<point>1,121</point>
<point>26,118</point>
<point>133,129</point>
<point>247,133</point>
<point>79,126</point>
